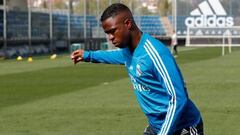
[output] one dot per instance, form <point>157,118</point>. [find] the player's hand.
<point>77,56</point>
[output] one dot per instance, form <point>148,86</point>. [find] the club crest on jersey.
<point>138,70</point>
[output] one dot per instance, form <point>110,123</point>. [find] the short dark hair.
<point>114,10</point>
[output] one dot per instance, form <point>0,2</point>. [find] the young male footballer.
<point>157,81</point>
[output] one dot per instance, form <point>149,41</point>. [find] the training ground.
<point>54,97</point>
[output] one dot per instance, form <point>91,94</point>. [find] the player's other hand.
<point>77,56</point>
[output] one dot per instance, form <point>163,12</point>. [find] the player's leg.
<point>192,130</point>
<point>149,131</point>
<point>175,50</point>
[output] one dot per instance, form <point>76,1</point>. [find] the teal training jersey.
<point>157,81</point>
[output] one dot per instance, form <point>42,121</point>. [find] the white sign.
<point>209,14</point>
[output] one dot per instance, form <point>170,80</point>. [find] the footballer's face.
<point>118,30</point>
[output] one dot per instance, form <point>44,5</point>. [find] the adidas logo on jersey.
<point>209,14</point>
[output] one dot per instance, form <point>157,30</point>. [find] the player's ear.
<point>128,24</point>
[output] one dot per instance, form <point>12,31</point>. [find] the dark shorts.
<point>192,130</point>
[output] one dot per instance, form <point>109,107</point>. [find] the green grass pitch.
<point>54,97</point>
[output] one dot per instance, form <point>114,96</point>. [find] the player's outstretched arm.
<point>100,56</point>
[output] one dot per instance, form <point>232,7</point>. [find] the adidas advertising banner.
<point>207,13</point>
<point>209,21</point>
